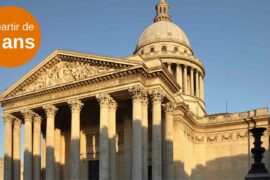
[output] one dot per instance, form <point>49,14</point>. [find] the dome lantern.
<point>162,11</point>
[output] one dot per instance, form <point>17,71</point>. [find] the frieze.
<point>200,138</point>
<point>64,72</point>
<point>62,94</point>
<point>212,138</point>
<point>67,92</point>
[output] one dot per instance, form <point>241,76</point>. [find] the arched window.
<point>142,52</point>
<point>152,50</point>
<point>164,10</point>
<point>175,49</point>
<point>164,49</point>
<point>160,10</point>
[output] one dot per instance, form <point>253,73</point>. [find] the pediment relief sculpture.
<point>64,72</point>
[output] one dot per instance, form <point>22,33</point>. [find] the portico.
<point>80,127</point>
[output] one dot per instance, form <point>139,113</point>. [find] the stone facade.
<point>1,169</point>
<point>87,116</point>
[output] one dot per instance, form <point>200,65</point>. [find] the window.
<point>164,49</point>
<point>152,50</point>
<point>175,49</point>
<point>142,52</point>
<point>160,10</point>
<point>164,10</point>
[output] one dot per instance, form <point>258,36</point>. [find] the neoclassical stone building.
<point>140,117</point>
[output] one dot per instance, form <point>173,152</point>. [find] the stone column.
<point>145,136</point>
<point>201,87</point>
<point>63,154</point>
<point>169,174</point>
<point>16,149</point>
<point>36,147</point>
<point>57,153</point>
<point>43,157</point>
<point>104,100</point>
<point>192,82</point>
<point>157,97</point>
<point>127,144</point>
<point>50,113</point>
<point>137,160</point>
<point>197,85</point>
<point>112,138</point>
<point>179,75</point>
<point>185,80</point>
<point>28,120</point>
<point>8,118</point>
<point>170,68</point>
<point>76,107</point>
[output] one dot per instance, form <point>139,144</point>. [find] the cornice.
<point>60,55</point>
<point>141,70</point>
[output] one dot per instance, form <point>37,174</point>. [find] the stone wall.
<point>1,169</point>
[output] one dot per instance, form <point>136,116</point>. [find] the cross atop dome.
<point>162,11</point>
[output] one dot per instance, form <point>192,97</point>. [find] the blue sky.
<point>230,37</point>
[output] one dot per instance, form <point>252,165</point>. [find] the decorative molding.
<point>64,72</point>
<point>218,137</point>
<point>37,119</point>
<point>50,110</point>
<point>157,94</point>
<point>28,115</point>
<point>8,118</point>
<point>137,93</point>
<point>75,105</point>
<point>242,135</point>
<point>212,138</point>
<point>227,137</point>
<point>169,107</point>
<point>17,122</point>
<point>104,100</point>
<point>145,99</point>
<point>113,104</point>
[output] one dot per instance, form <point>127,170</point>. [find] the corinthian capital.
<point>50,110</point>
<point>37,118</point>
<point>17,122</point>
<point>137,92</point>
<point>169,107</point>
<point>113,104</point>
<point>75,105</point>
<point>103,99</point>
<point>156,94</point>
<point>8,118</point>
<point>27,114</point>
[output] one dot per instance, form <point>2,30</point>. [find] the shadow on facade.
<point>225,168</point>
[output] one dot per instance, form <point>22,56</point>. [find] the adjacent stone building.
<point>141,117</point>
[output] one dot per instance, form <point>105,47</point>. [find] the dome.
<point>163,31</point>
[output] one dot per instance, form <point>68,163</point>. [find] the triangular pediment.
<point>63,67</point>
